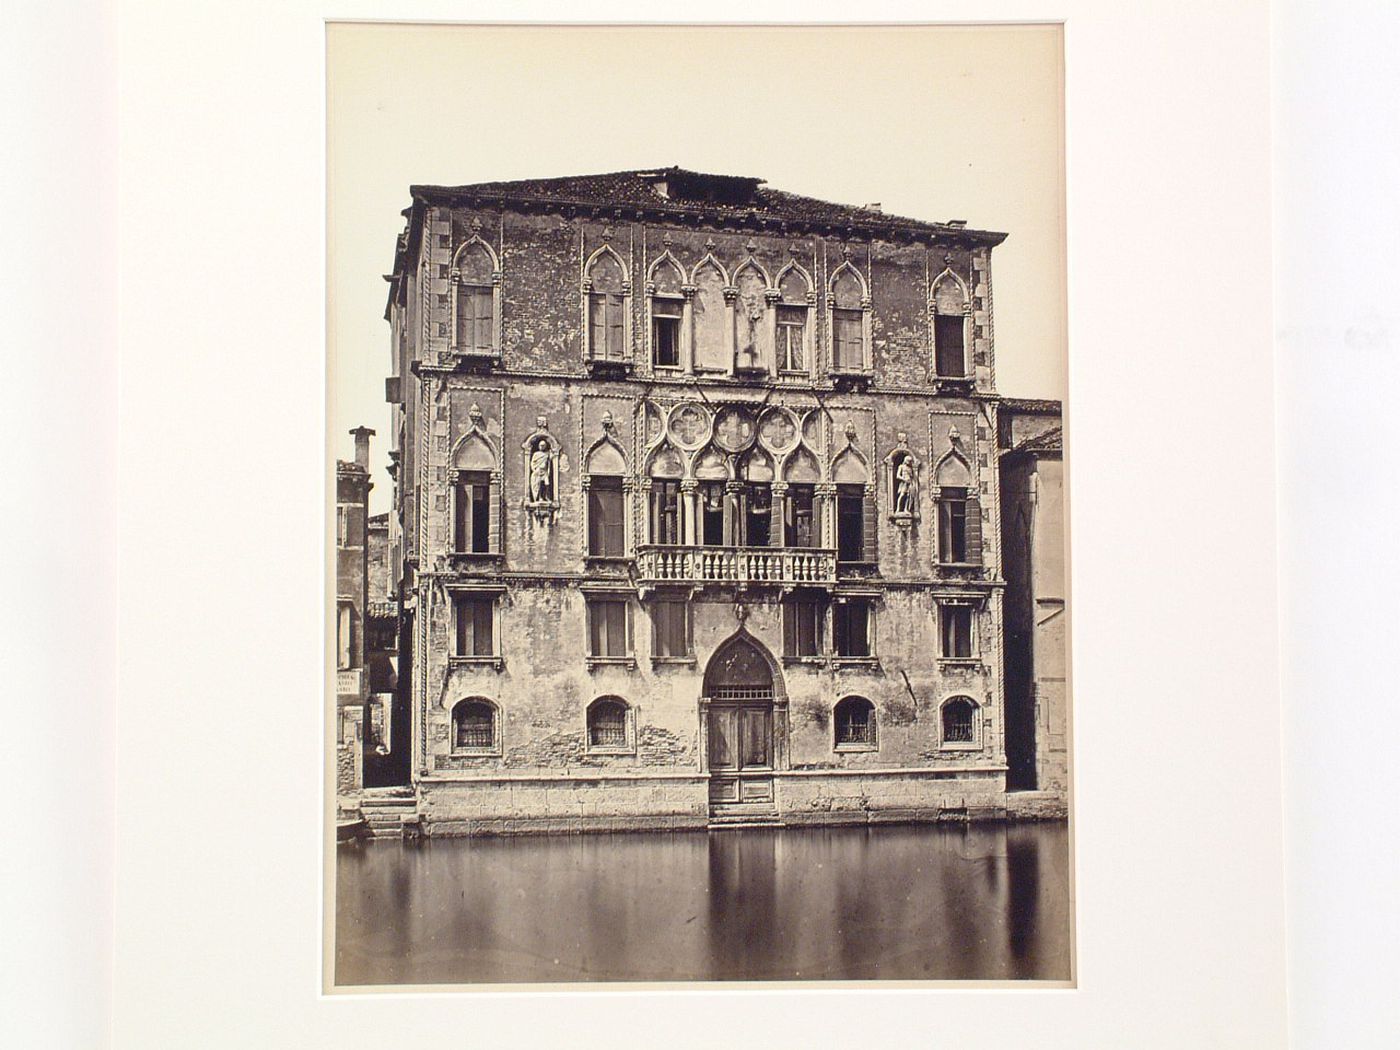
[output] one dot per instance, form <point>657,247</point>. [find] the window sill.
<point>475,557</point>
<point>496,663</point>
<point>871,662</point>
<point>673,661</point>
<point>845,749</point>
<point>966,663</point>
<point>625,751</point>
<point>946,746</point>
<point>609,365</point>
<point>628,662</point>
<point>476,358</point>
<point>813,661</point>
<point>474,753</point>
<point>603,561</point>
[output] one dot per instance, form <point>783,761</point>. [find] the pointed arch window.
<point>793,321</point>
<point>950,323</point>
<point>959,514</point>
<point>476,494</point>
<point>664,499</point>
<point>849,307</point>
<point>856,513</point>
<point>475,300</point>
<point>607,501</point>
<point>607,295</point>
<point>667,313</point>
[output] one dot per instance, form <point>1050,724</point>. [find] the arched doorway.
<point>742,702</point>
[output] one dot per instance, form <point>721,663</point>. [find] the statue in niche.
<point>904,485</point>
<point>541,481</point>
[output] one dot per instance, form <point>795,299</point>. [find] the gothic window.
<point>666,332</point>
<point>605,517</point>
<point>852,621</point>
<point>955,631</point>
<point>792,322</point>
<point>959,721</point>
<point>607,309</point>
<point>711,495</point>
<point>670,622</point>
<point>750,314</point>
<point>801,521</point>
<point>709,312</point>
<point>608,725</point>
<point>475,617</point>
<point>756,499</point>
<point>855,723</point>
<point>474,726</point>
<point>959,514</point>
<point>949,329</point>
<point>847,323</point>
<point>475,300</point>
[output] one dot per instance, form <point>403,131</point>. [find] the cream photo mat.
<point>226,913</point>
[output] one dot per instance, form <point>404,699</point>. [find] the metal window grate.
<point>476,729</point>
<point>742,692</point>
<point>607,726</point>
<point>957,723</point>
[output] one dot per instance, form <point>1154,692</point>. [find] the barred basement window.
<point>474,726</point>
<point>855,722</point>
<point>955,631</point>
<point>959,721</point>
<point>607,723</point>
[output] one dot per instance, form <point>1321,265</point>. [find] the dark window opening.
<point>855,721</point>
<point>476,618</point>
<point>758,524</point>
<point>802,627</point>
<point>666,332</point>
<point>955,623</point>
<point>607,724</point>
<point>952,526</point>
<point>792,335</point>
<point>958,722</point>
<point>850,623</point>
<point>605,515</point>
<point>474,726</point>
<point>666,512</point>
<point>800,519</point>
<point>850,523</point>
<point>712,514</point>
<point>950,359</point>
<point>607,628</point>
<point>474,513</point>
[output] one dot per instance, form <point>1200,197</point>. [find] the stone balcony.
<point>783,566</point>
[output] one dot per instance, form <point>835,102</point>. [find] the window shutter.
<point>461,505</point>
<point>493,495</point>
<point>776,537</point>
<point>869,528</point>
<point>974,530</point>
<point>615,329</point>
<point>484,340</point>
<point>598,335</point>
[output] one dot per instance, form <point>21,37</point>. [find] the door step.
<point>721,821</point>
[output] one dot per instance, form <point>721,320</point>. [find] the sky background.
<point>935,123</point>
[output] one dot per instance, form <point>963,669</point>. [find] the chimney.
<point>362,436</point>
<point>876,207</point>
<point>956,222</point>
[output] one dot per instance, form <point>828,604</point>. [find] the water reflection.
<point>911,903</point>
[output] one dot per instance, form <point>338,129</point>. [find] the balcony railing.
<point>797,566</point>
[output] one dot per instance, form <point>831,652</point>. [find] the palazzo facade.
<point>696,513</point>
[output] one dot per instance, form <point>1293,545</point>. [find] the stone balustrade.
<point>797,566</point>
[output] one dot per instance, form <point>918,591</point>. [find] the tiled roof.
<point>678,190</point>
<point>1051,440</point>
<point>1037,406</point>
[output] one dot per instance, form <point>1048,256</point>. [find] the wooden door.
<point>741,753</point>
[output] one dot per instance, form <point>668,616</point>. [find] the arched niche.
<point>606,458</point>
<point>711,465</point>
<point>848,468</point>
<point>952,472</point>
<point>847,289</point>
<point>666,276</point>
<point>474,452</point>
<point>801,468</point>
<point>665,462</point>
<point>710,313</point>
<point>757,466</point>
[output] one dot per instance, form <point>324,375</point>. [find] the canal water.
<point>923,902</point>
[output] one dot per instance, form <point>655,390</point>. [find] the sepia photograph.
<point>697,572</point>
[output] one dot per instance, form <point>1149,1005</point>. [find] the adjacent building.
<point>697,513</point>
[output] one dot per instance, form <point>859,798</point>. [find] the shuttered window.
<point>955,630</point>
<point>474,532</point>
<point>476,617</point>
<point>948,343</point>
<point>605,313</point>
<point>670,629</point>
<point>846,333</point>
<point>802,627</point>
<point>607,628</point>
<point>605,515</point>
<point>850,623</point>
<point>959,527</point>
<point>474,318</point>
